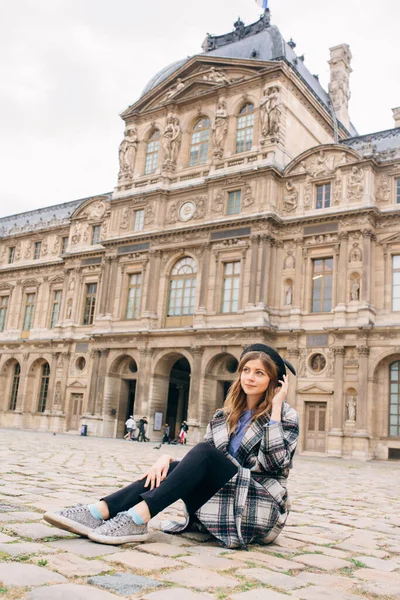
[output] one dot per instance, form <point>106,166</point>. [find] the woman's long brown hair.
<point>235,403</point>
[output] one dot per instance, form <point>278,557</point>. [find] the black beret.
<point>280,362</point>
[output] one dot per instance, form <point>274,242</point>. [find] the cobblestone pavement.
<point>342,540</point>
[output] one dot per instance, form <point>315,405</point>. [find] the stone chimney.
<point>339,90</point>
<point>396,116</point>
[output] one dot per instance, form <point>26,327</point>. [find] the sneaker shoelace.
<point>117,523</point>
<point>80,508</point>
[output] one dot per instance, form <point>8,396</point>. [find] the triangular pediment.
<point>314,389</point>
<point>76,384</point>
<point>197,76</point>
<point>393,238</point>
<point>94,208</point>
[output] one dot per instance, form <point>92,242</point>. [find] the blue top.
<point>237,436</point>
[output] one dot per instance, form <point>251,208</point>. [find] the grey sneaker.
<point>119,530</point>
<point>77,519</point>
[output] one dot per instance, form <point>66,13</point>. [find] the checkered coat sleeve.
<point>253,505</point>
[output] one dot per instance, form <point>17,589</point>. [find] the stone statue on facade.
<point>216,76</point>
<point>125,218</point>
<point>291,197</point>
<point>18,251</point>
<point>172,213</point>
<point>28,250</point>
<point>288,294</point>
<point>76,234</point>
<point>175,89</point>
<point>220,128</point>
<point>218,203</point>
<point>351,408</point>
<point>127,153</point>
<point>149,213</point>
<point>355,289</point>
<point>248,198</point>
<point>200,207</point>
<point>337,191</point>
<point>270,113</point>
<point>383,188</point>
<point>172,139</point>
<point>355,186</point>
<point>57,394</point>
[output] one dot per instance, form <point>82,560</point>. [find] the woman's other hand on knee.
<point>158,472</point>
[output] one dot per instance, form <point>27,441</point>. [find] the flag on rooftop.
<point>263,4</point>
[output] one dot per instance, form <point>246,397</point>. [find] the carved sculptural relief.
<point>220,128</point>
<point>270,114</point>
<point>291,197</point>
<point>355,186</point>
<point>383,188</point>
<point>172,139</point>
<point>127,153</point>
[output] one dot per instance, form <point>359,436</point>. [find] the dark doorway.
<point>178,396</point>
<point>131,397</point>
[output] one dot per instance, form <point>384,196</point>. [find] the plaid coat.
<point>253,505</point>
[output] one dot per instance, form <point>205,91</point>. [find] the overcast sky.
<point>69,67</point>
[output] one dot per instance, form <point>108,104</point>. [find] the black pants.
<point>195,479</point>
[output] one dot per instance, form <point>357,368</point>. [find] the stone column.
<point>104,287</point>
<point>294,354</point>
<point>265,268</point>
<point>98,409</point>
<point>205,266</point>
<point>23,383</point>
<point>95,354</point>
<point>143,382</point>
<point>154,282</point>
<point>66,358</point>
<point>366,268</point>
<point>255,240</point>
<point>45,303</point>
<point>298,281</point>
<point>337,419</point>
<point>16,308</point>
<point>64,295</point>
<point>52,380</point>
<point>342,269</point>
<point>194,393</point>
<point>362,400</point>
<point>307,291</point>
<point>112,284</point>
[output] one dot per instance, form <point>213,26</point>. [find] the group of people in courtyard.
<point>233,484</point>
<point>131,427</point>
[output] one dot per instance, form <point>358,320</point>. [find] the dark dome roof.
<point>163,74</point>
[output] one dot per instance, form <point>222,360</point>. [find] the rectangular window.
<point>139,220</point>
<point>11,255</point>
<point>55,311</point>
<point>230,292</point>
<point>3,311</point>
<point>322,285</point>
<point>64,245</point>
<point>396,282</point>
<point>30,303</point>
<point>398,191</point>
<point>96,234</point>
<point>132,307</point>
<point>44,387</point>
<point>323,199</point>
<point>14,387</point>
<point>37,250</point>
<point>234,199</point>
<point>90,303</point>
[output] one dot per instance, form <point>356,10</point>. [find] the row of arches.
<point>34,392</point>
<point>200,139</point>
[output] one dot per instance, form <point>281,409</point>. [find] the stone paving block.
<point>25,548</point>
<point>379,588</point>
<point>261,594</point>
<point>319,561</point>
<point>378,563</point>
<point>285,542</point>
<point>272,562</point>
<point>176,594</point>
<point>38,531</point>
<point>142,561</point>
<point>6,538</point>
<point>161,549</point>
<point>214,563</point>
<point>83,547</point>
<point>70,591</point>
<point>278,580</point>
<point>20,574</point>
<point>70,565</point>
<point>200,579</point>
<point>210,550</point>
<point>375,575</point>
<point>324,593</point>
<point>124,583</point>
<point>322,579</point>
<point>350,547</point>
<point>328,551</point>
<point>24,516</point>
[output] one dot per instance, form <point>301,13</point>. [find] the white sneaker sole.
<point>117,540</point>
<point>67,524</point>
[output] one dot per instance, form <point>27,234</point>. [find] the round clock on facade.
<point>187,211</point>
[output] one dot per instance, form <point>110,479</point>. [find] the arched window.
<point>244,133</point>
<point>15,386</point>
<point>44,387</point>
<point>199,143</point>
<point>182,288</point>
<point>153,147</point>
<point>394,403</point>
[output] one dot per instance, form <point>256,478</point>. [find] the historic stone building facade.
<point>247,209</point>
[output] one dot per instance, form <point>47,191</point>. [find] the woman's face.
<point>254,378</point>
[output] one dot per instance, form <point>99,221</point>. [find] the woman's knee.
<point>203,448</point>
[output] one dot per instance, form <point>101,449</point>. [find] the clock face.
<point>187,211</point>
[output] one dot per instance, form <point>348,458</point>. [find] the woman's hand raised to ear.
<point>279,398</point>
<point>158,472</point>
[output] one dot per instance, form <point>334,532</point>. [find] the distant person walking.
<point>166,439</point>
<point>183,432</point>
<point>130,425</point>
<point>142,430</point>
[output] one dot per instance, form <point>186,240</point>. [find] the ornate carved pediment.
<point>315,389</point>
<point>322,161</point>
<point>94,208</point>
<point>76,384</point>
<point>393,238</point>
